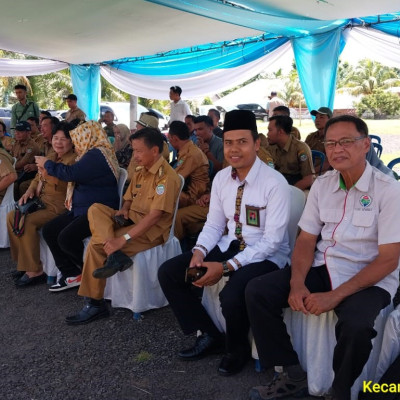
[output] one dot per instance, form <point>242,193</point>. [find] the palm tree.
<point>371,75</point>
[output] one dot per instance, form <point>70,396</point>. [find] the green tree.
<point>292,93</point>
<point>370,75</point>
<point>380,103</point>
<point>49,90</point>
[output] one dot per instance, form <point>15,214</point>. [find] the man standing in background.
<point>179,109</point>
<point>24,109</point>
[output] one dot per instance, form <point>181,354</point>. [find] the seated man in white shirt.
<point>252,201</point>
<point>351,269</point>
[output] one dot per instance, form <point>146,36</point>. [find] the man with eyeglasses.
<point>345,259</point>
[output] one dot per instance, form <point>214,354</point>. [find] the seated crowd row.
<point>345,258</point>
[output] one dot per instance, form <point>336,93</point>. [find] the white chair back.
<point>297,202</point>
<point>137,288</point>
<point>123,175</point>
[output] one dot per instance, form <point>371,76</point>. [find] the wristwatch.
<point>225,269</point>
<point>127,236</point>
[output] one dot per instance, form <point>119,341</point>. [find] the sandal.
<point>280,386</point>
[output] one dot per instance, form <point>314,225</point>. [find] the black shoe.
<point>26,281</point>
<point>232,364</point>
<point>116,262</point>
<point>89,313</point>
<point>205,345</point>
<point>17,274</point>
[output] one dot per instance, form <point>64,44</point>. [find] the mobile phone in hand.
<point>194,274</point>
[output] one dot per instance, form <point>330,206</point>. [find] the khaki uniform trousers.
<point>103,226</point>
<point>25,250</point>
<point>190,220</point>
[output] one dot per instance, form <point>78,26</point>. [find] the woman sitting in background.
<point>122,147</point>
<point>51,191</point>
<point>5,140</point>
<point>95,176</point>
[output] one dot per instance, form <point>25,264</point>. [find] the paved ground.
<point>41,358</point>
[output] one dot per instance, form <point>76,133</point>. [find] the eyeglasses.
<point>344,142</point>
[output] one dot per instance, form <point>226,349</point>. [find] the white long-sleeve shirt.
<point>267,191</point>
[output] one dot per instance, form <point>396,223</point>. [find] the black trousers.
<point>64,235</point>
<point>267,295</point>
<point>187,306</point>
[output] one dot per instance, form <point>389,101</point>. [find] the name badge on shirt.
<point>138,186</point>
<point>253,215</point>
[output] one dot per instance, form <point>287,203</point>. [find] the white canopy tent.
<point>86,34</point>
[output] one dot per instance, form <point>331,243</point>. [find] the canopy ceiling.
<point>92,31</point>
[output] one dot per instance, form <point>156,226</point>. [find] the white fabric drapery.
<point>372,44</point>
<point>193,85</point>
<point>17,67</point>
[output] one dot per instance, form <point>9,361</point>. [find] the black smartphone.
<point>194,274</point>
<point>121,221</point>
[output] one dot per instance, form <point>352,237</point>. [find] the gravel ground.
<point>116,358</point>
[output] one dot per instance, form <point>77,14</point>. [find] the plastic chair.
<point>137,288</point>
<point>378,148</point>
<point>210,298</point>
<point>5,207</point>
<point>376,137</point>
<point>318,155</point>
<point>46,256</point>
<point>393,163</point>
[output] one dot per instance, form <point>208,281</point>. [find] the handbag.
<point>21,210</point>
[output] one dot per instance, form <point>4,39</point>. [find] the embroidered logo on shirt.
<point>160,189</point>
<point>303,157</point>
<point>180,162</point>
<point>365,200</point>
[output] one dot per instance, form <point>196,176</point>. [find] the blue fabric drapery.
<point>316,60</point>
<point>86,85</point>
<point>201,58</point>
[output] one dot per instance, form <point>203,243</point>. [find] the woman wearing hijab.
<point>122,147</point>
<point>24,238</point>
<point>95,180</point>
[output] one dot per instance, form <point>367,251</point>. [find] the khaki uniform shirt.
<point>75,114</point>
<point>50,189</point>
<point>294,160</point>
<point>154,189</point>
<point>7,142</point>
<point>315,142</point>
<point>25,153</point>
<point>193,165</point>
<point>6,168</point>
<point>39,139</point>
<point>296,133</point>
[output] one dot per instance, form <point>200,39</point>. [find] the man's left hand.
<point>113,244</point>
<point>30,167</point>
<point>318,303</point>
<point>212,276</point>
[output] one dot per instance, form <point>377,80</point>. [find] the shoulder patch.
<point>160,189</point>
<point>180,162</point>
<point>271,164</point>
<point>29,151</point>
<point>303,157</point>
